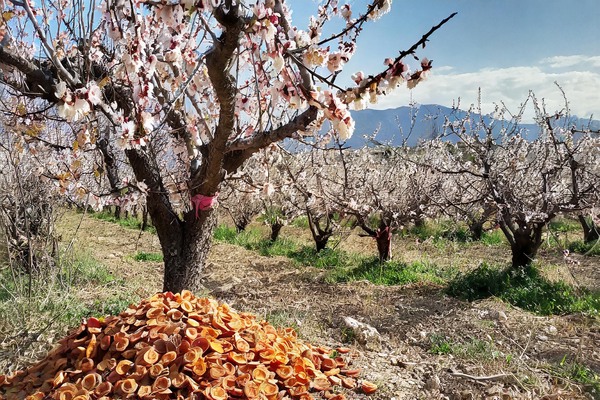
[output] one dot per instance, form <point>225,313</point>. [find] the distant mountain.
<point>412,125</point>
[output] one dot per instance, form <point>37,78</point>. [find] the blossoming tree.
<point>192,88</point>
<point>529,182</point>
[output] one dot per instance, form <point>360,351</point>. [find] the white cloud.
<point>510,86</point>
<point>571,61</point>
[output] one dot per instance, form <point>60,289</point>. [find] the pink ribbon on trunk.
<point>203,203</point>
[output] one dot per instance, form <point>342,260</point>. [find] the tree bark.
<point>476,229</point>
<point>383,237</point>
<point>185,253</point>
<point>320,234</point>
<point>275,230</point>
<point>525,246</point>
<point>591,232</point>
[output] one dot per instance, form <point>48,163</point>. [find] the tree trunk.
<point>186,251</point>
<point>591,232</point>
<point>275,229</point>
<point>321,242</point>
<point>525,246</point>
<point>320,235</point>
<point>383,237</point>
<point>476,229</point>
<point>117,212</point>
<point>185,241</point>
<point>241,223</point>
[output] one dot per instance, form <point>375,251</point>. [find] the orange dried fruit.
<point>321,384</point>
<point>368,387</point>
<point>268,389</point>
<point>216,393</point>
<point>161,384</point>
<point>236,358</point>
<point>144,391</point>
<point>103,389</point>
<point>349,383</point>
<point>350,372</point>
<point>251,390</point>
<point>172,346</point>
<point>126,386</point>
<point>199,367</point>
<point>155,370</point>
<point>328,363</point>
<point>168,358</point>
<point>216,346</point>
<point>187,306</point>
<point>90,381</point>
<point>260,374</point>
<point>123,367</point>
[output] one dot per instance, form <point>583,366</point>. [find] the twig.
<point>481,378</point>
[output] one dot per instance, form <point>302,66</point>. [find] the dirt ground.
<point>497,351</point>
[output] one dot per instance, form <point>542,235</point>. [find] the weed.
<point>282,319</point>
<point>471,348</point>
<point>525,288</point>
<point>143,256</point>
<point>440,345</point>
<point>564,225</point>
<point>579,373</point>
<point>129,222</point>
<point>493,238</point>
<point>348,335</point>
<point>300,222</point>
<point>342,266</point>
<point>588,249</point>
<point>58,298</point>
<point>224,233</point>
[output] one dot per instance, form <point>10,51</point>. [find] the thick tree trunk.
<point>383,237</point>
<point>524,248</point>
<point>591,232</point>
<point>185,253</point>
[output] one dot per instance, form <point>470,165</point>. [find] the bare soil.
<point>496,351</point>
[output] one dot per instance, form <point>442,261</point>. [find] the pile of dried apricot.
<point>178,346</point>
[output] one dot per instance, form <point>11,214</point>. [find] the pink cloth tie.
<point>203,203</point>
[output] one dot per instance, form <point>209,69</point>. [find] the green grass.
<point>129,222</point>
<point>341,266</point>
<point>441,230</point>
<point>300,222</point>
<point>143,256</point>
<point>589,249</point>
<point>392,272</point>
<point>564,225</point>
<point>526,289</point>
<point>580,373</point>
<point>493,238</point>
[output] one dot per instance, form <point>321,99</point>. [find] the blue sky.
<point>504,47</point>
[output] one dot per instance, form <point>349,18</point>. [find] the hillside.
<point>423,122</point>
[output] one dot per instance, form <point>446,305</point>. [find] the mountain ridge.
<point>413,124</point>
